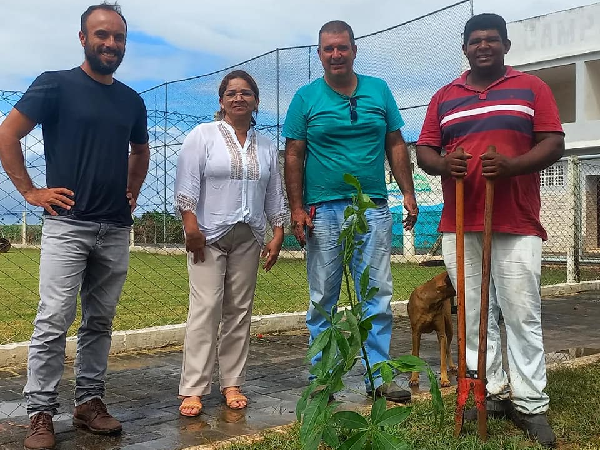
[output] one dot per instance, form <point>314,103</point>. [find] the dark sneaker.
<point>497,409</point>
<point>536,426</point>
<point>94,416</point>
<point>41,433</point>
<point>392,392</point>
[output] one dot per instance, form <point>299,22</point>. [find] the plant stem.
<point>347,278</point>
<point>369,371</point>
<point>362,345</point>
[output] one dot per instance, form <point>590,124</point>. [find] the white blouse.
<point>224,183</point>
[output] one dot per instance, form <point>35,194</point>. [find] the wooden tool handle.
<point>486,264</point>
<point>460,275</point>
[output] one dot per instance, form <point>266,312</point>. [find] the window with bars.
<point>553,176</point>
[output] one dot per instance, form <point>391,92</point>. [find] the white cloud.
<point>38,35</point>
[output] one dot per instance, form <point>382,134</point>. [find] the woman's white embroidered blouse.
<point>224,183</point>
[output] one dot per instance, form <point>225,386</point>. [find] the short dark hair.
<point>337,27</point>
<point>114,7</point>
<point>486,21</point>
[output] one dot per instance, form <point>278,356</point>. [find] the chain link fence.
<point>156,290</point>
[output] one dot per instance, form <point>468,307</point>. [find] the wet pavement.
<point>142,388</point>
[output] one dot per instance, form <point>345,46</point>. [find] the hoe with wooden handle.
<point>468,384</point>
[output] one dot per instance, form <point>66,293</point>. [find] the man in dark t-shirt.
<point>89,122</point>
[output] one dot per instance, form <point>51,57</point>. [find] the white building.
<point>563,49</point>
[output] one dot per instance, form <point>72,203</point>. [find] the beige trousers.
<point>221,293</point>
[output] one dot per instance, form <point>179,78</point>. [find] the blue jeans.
<point>75,255</point>
<point>325,271</point>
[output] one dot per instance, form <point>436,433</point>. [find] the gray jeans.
<point>75,255</point>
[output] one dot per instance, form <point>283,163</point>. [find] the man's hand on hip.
<point>47,197</point>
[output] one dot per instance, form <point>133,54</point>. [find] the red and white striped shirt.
<point>507,114</point>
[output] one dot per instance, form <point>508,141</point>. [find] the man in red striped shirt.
<point>493,104</point>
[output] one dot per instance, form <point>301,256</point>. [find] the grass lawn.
<point>156,290</point>
<point>573,415</point>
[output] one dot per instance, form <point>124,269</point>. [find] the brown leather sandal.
<point>190,404</point>
<point>233,394</point>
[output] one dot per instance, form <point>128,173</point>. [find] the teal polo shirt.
<point>335,144</point>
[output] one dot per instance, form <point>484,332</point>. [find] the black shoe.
<point>497,409</point>
<point>536,426</point>
<point>391,392</point>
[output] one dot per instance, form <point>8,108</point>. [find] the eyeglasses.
<point>246,93</point>
<point>353,113</point>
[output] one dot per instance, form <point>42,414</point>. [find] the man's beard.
<point>97,65</point>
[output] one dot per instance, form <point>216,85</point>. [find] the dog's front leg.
<point>416,342</point>
<point>443,340</point>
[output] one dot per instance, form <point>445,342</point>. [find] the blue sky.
<point>182,38</point>
<point>185,38</point>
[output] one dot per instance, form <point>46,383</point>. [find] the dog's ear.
<point>447,280</point>
<point>443,282</point>
<point>440,283</point>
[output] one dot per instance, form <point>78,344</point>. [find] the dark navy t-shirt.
<point>87,127</point>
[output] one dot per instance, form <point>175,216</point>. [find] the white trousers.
<point>514,290</point>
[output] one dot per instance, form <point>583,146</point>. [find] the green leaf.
<point>337,318</point>
<point>342,343</point>
<point>387,374</point>
<point>408,363</point>
<point>330,353</point>
<point>355,442</point>
<point>394,416</point>
<point>313,440</point>
<point>351,361</point>
<point>318,344</point>
<point>343,326</point>
<point>353,181</point>
<point>330,437</point>
<point>361,225</point>
<point>322,311</point>
<point>436,397</point>
<point>354,331</point>
<point>364,282</point>
<point>365,202</point>
<point>351,420</point>
<point>301,405</point>
<point>367,323</point>
<point>377,410</point>
<point>312,414</point>
<point>364,334</point>
<point>385,441</point>
<point>372,292</point>
<point>348,211</point>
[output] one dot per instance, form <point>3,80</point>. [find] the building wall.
<point>554,36</point>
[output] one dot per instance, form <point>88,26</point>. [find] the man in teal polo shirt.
<point>346,123</point>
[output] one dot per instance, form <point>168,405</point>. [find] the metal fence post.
<point>24,228</point>
<point>408,240</point>
<point>165,167</point>
<point>575,206</point>
<point>277,98</point>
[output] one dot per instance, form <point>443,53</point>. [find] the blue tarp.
<point>425,231</point>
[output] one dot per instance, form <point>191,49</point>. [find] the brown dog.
<point>429,310</point>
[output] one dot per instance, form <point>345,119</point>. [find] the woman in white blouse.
<point>227,186</point>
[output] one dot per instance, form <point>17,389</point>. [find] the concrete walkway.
<point>142,388</point>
